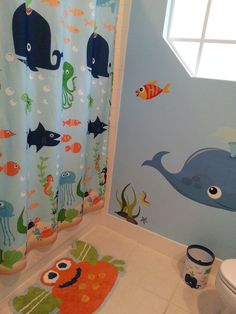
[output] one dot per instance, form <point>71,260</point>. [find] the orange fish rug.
<point>77,284</point>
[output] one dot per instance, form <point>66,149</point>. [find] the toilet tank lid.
<point>228,271</point>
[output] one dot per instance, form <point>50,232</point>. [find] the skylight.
<point>202,34</point>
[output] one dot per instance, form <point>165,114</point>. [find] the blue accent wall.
<point>182,123</point>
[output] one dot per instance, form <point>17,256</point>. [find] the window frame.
<point>202,40</point>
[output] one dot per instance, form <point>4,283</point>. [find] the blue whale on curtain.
<point>97,56</point>
<point>207,177</point>
<point>32,39</point>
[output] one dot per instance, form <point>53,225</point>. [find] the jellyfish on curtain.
<point>6,212</point>
<point>66,196</point>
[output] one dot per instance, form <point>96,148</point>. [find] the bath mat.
<point>75,284</point>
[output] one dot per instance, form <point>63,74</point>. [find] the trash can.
<point>198,265</point>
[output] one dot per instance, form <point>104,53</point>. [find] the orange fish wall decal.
<point>151,90</point>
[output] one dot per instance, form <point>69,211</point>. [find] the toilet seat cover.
<point>228,273</point>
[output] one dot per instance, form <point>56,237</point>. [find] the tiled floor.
<point>152,282</point>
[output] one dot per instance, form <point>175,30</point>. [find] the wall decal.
<point>151,90</point>
<point>143,199</point>
<point>126,206</point>
<point>208,177</point>
<point>144,220</point>
<point>229,137</point>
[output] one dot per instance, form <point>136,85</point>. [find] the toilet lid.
<point>228,273</point>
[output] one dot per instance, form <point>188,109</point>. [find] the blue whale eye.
<point>28,47</point>
<point>93,61</point>
<point>214,192</point>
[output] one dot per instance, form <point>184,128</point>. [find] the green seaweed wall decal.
<point>126,208</point>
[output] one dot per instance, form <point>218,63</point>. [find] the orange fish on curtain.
<point>10,168</point>
<point>6,133</point>
<point>151,90</point>
<point>53,3</point>
<point>75,12</point>
<point>74,148</point>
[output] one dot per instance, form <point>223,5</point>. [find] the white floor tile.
<point>152,271</point>
<point>173,309</point>
<point>108,242</point>
<point>152,282</point>
<point>202,301</point>
<point>129,298</point>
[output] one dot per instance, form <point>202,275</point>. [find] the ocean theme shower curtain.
<point>56,72</point>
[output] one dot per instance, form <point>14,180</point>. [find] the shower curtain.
<point>56,72</point>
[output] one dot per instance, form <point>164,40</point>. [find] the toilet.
<point>226,284</point>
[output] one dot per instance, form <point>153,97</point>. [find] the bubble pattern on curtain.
<point>56,72</point>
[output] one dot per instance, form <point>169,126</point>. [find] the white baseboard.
<point>150,239</point>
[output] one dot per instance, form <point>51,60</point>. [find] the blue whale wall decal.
<point>207,177</point>
<point>32,39</point>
